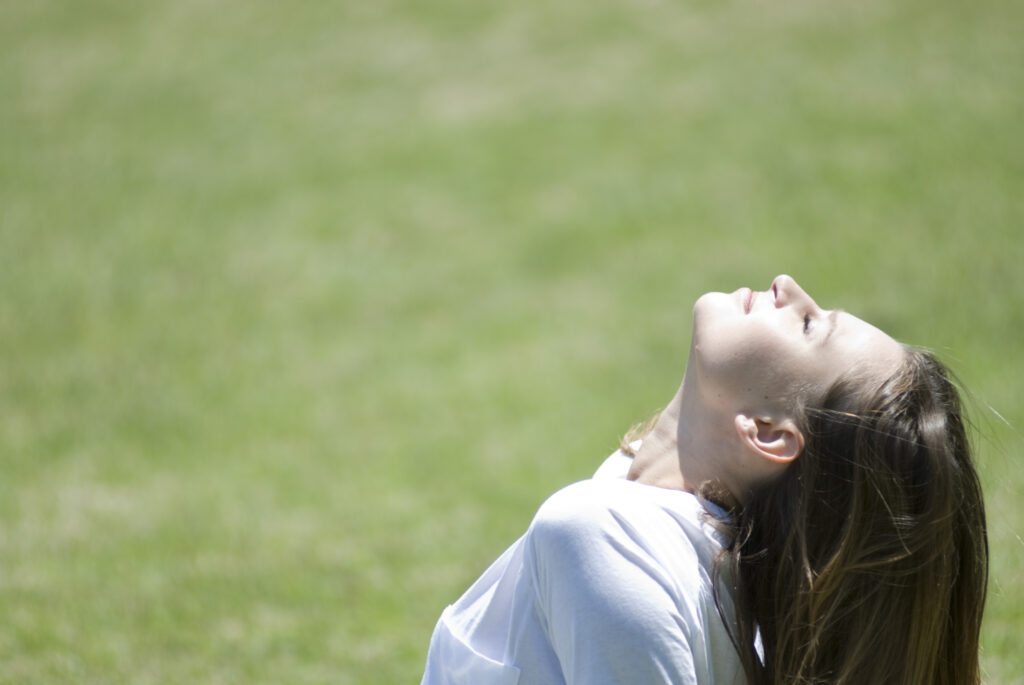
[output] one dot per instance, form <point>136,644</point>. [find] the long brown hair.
<point>867,562</point>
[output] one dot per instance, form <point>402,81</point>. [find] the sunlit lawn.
<point>304,308</point>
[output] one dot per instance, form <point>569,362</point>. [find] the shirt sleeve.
<point>613,613</point>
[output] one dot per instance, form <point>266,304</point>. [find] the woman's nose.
<point>788,292</point>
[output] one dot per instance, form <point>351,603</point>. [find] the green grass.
<point>304,308</point>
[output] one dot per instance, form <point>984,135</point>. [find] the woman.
<point>804,510</point>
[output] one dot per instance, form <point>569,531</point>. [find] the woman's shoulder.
<point>623,516</point>
<point>596,498</point>
<point>607,495</point>
<point>619,543</point>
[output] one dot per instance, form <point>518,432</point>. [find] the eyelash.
<point>807,323</point>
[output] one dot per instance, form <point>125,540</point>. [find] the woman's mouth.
<point>747,296</point>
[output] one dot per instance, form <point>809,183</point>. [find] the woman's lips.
<point>748,297</point>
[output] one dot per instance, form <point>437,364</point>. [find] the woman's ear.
<point>778,440</point>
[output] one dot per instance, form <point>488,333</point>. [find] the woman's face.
<point>766,351</point>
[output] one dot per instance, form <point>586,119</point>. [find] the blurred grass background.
<point>305,307</point>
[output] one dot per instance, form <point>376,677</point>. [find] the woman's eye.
<point>807,323</point>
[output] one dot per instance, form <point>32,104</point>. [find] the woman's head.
<point>778,348</point>
<point>866,560</point>
<point>758,359</point>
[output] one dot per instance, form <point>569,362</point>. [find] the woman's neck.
<point>688,447</point>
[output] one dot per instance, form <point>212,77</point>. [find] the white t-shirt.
<point>610,584</point>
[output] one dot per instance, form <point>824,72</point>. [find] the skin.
<point>755,357</point>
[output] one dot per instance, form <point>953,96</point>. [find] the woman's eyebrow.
<point>832,323</point>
